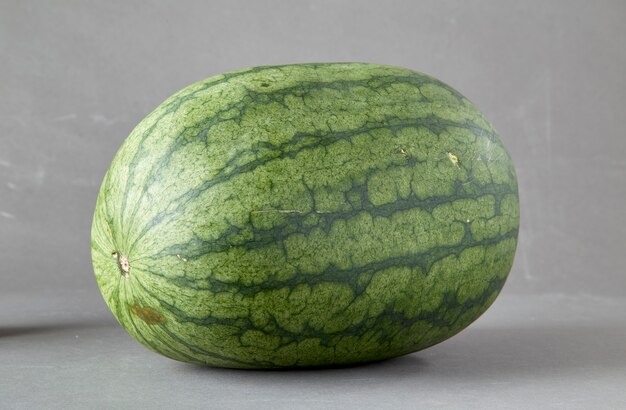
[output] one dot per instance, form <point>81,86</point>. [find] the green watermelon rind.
<point>305,215</point>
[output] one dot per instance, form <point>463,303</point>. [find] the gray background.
<point>76,77</point>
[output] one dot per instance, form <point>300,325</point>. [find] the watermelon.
<point>305,215</point>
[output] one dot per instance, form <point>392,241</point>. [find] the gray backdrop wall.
<point>76,76</point>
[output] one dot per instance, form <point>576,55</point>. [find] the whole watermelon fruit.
<point>305,215</point>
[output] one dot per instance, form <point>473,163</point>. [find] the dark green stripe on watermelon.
<point>306,215</point>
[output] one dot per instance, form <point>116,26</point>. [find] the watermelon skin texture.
<point>305,215</point>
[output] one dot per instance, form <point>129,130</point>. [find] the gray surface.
<point>527,352</point>
<point>77,76</point>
